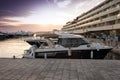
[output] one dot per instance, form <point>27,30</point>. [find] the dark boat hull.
<point>79,54</point>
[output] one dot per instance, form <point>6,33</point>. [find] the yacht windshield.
<point>71,42</point>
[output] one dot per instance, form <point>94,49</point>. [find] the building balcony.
<point>90,23</point>
<point>72,25</point>
<point>101,14</point>
<point>79,31</point>
<point>94,22</point>
<point>99,9</point>
<point>109,19</point>
<point>101,28</point>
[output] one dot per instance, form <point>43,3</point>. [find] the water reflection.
<point>11,47</point>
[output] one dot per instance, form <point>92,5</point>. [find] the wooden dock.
<point>59,69</point>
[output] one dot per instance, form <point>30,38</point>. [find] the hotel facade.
<point>104,18</point>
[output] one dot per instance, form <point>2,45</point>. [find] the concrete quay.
<point>115,52</point>
<point>59,69</point>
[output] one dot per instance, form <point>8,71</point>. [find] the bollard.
<point>91,54</point>
<point>45,56</point>
<point>14,57</point>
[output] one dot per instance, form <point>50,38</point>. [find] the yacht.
<point>65,45</point>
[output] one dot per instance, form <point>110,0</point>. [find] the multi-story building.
<point>105,17</point>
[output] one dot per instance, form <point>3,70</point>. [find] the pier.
<point>59,69</point>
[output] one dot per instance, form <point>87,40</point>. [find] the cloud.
<point>6,13</point>
<point>62,3</point>
<point>86,5</point>
<point>18,7</point>
<point>3,20</point>
<point>29,27</point>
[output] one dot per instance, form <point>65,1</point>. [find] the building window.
<point>105,16</point>
<point>115,13</point>
<point>118,21</point>
<point>111,22</point>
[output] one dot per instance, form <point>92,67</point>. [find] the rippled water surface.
<point>11,47</point>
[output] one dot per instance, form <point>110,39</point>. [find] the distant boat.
<point>2,36</point>
<point>65,45</point>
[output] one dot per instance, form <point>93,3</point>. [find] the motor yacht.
<point>65,45</point>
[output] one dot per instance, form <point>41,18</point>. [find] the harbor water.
<point>13,47</point>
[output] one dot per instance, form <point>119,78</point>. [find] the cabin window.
<point>71,42</point>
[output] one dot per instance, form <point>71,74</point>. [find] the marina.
<point>59,40</point>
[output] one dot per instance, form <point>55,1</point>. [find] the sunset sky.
<point>40,15</point>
